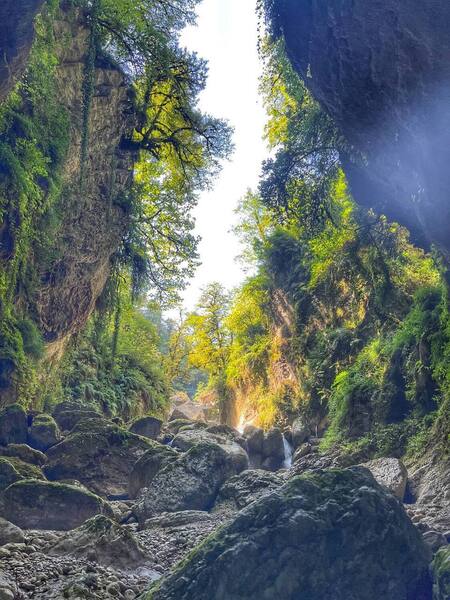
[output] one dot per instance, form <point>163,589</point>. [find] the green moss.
<point>441,575</point>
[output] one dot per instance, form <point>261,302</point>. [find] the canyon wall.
<point>382,70</point>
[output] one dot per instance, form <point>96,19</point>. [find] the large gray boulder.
<point>328,535</point>
<point>13,425</point>
<point>300,432</point>
<point>391,473</point>
<point>145,468</point>
<point>34,504</point>
<point>103,541</point>
<point>187,439</point>
<point>98,454</point>
<point>255,439</point>
<point>43,432</point>
<point>149,427</point>
<point>192,482</point>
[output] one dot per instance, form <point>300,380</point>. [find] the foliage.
<point>119,371</point>
<point>33,143</point>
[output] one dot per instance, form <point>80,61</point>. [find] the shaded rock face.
<point>13,425</point>
<point>334,534</point>
<point>33,504</point>
<point>146,468</point>
<point>43,433</point>
<point>149,427</point>
<point>16,37</point>
<point>381,70</point>
<point>98,454</point>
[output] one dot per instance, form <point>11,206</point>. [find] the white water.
<point>287,463</point>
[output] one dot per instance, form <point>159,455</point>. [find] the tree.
<point>210,342</point>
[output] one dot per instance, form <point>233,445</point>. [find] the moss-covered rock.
<point>187,439</point>
<point>43,433</point>
<point>25,453</point>
<point>99,454</point>
<point>441,574</point>
<point>69,414</point>
<point>191,482</point>
<point>146,468</point>
<point>334,534</point>
<point>13,425</point>
<point>13,469</point>
<point>34,504</point>
<point>104,541</point>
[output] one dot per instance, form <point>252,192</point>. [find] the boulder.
<point>67,420</point>
<point>243,489</point>
<point>145,468</point>
<point>335,534</point>
<point>300,432</point>
<point>10,533</point>
<point>13,425</point>
<point>255,439</point>
<point>34,504</point>
<point>178,424</point>
<point>98,454</point>
<point>149,427</point>
<point>188,439</point>
<point>391,473</point>
<point>13,469</point>
<point>273,444</point>
<point>191,482</point>
<point>24,453</point>
<point>189,410</point>
<point>102,541</point>
<point>43,433</point>
<point>441,575</point>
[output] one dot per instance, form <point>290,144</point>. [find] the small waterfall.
<point>287,463</point>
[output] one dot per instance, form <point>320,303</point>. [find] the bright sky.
<point>226,35</point>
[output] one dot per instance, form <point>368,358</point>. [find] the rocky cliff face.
<point>16,37</point>
<point>93,222</point>
<point>382,71</point>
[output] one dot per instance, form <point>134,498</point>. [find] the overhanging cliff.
<point>382,70</point>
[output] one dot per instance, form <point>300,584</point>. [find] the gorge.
<point>289,438</point>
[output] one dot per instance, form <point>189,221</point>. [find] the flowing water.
<point>287,463</point>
